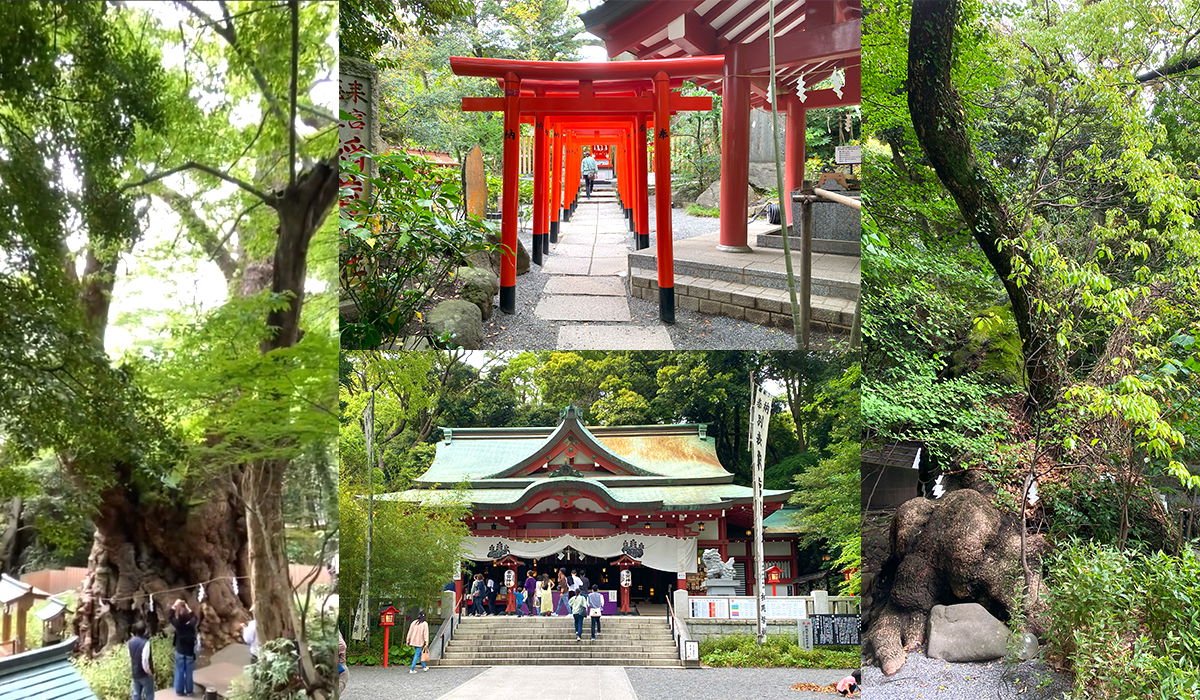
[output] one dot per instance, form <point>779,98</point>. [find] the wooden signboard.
<point>475,184</point>
<point>836,629</point>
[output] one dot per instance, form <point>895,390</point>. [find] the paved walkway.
<point>218,673</point>
<point>587,269</point>
<point>587,683</point>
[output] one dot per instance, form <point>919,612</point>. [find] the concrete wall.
<point>704,629</point>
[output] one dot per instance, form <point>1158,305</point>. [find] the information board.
<point>786,608</point>
<point>836,629</point>
<point>710,608</point>
<point>845,155</point>
<point>742,609</point>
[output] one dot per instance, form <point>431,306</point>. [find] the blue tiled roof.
<point>43,674</point>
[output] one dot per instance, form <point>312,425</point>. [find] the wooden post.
<point>509,194</point>
<point>662,198</point>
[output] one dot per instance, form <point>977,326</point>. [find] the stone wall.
<point>706,629</point>
<point>766,307</point>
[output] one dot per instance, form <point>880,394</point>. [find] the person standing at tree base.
<point>141,664</point>
<point>187,644</point>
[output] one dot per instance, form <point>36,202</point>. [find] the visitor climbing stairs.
<point>550,641</point>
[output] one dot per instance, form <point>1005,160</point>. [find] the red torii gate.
<point>570,91</point>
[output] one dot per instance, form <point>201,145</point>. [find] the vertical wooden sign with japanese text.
<point>358,126</point>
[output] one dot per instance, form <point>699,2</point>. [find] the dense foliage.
<point>1129,622</point>
<point>780,650</point>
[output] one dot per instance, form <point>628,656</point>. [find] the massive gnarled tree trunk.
<point>143,549</point>
<point>938,119</point>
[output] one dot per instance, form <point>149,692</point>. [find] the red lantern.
<point>387,618</point>
<point>774,576</point>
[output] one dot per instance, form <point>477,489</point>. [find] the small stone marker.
<point>475,184</point>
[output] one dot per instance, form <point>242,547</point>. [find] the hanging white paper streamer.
<point>801,89</point>
<point>233,583</point>
<point>200,593</point>
<point>839,81</point>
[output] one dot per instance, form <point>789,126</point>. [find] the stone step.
<point>762,305</point>
<point>558,635</point>
<point>605,637</point>
<point>528,661</point>
<point>561,644</point>
<point>581,651</point>
<point>822,285</point>
<point>820,245</point>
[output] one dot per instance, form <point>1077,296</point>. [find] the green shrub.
<point>1127,622</point>
<point>108,675</point>
<point>697,210</point>
<point>742,651</point>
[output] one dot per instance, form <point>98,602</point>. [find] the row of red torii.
<point>572,105</point>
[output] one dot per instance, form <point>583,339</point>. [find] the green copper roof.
<point>658,498</point>
<point>781,522</point>
<point>665,451</point>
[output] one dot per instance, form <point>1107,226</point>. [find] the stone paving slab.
<point>561,682</point>
<point>608,266</point>
<point>572,249</point>
<point>613,238</point>
<point>609,250</point>
<point>563,307</point>
<point>566,266</point>
<point>614,338</point>
<point>601,286</point>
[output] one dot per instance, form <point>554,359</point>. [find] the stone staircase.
<point>550,641</point>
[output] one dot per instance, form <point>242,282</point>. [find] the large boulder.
<point>461,320</point>
<point>479,286</point>
<point>492,260</point>
<point>965,632</point>
<point>711,197</point>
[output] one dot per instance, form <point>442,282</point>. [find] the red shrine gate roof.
<point>615,469</point>
<point>812,38</point>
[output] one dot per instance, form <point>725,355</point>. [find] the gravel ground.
<point>922,677</point>
<point>377,682</point>
<point>692,330</point>
<point>758,683</point>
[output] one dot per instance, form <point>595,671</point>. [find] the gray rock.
<point>965,632</point>
<point>479,286</point>
<point>712,196</point>
<point>461,320</point>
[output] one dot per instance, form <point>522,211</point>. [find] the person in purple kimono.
<point>530,588</point>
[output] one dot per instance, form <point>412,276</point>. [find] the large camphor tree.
<point>115,123</point>
<point>1044,342</point>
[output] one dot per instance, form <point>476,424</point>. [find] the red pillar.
<point>642,195</point>
<point>556,182</point>
<point>508,197</point>
<point>680,582</point>
<point>544,186</point>
<point>793,171</point>
<point>627,157</point>
<point>387,645</point>
<point>458,592</point>
<point>662,198</point>
<point>539,190</point>
<point>735,154</point>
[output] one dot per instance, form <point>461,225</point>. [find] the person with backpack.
<point>141,664</point>
<point>519,596</point>
<point>586,584</point>
<point>595,604</point>
<point>563,588</point>
<point>531,592</point>
<point>588,168</point>
<point>187,644</point>
<point>477,594</point>
<point>578,607</point>
<point>418,639</point>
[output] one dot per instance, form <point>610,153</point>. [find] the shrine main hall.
<point>645,498</point>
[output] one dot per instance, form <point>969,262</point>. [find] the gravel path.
<point>923,677</point>
<point>372,682</point>
<point>757,683</point>
<point>692,330</point>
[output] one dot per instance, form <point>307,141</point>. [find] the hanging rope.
<point>232,580</point>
